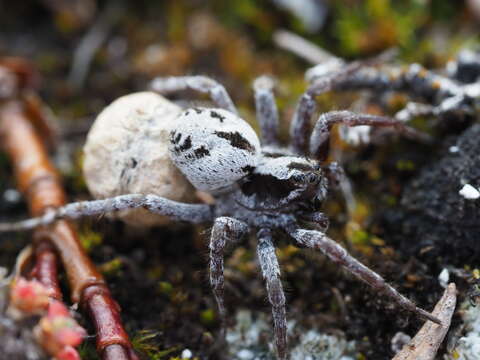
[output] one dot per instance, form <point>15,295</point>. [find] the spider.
<point>259,186</point>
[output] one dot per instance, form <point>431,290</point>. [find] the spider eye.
<point>312,178</point>
<point>299,178</point>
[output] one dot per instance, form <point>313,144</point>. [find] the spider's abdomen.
<point>213,148</point>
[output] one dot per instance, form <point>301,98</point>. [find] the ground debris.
<point>247,341</point>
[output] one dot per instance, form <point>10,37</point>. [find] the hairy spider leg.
<point>319,241</point>
<point>266,109</point>
<point>336,177</point>
<point>320,137</point>
<point>194,213</point>
<point>271,273</point>
<point>202,84</point>
<point>415,109</point>
<point>300,126</point>
<point>225,229</point>
<point>319,220</point>
<point>414,80</point>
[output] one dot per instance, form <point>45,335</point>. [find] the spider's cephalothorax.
<point>284,183</point>
<point>260,187</point>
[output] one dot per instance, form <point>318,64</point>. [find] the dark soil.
<point>436,216</point>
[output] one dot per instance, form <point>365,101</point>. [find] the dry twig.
<point>425,344</point>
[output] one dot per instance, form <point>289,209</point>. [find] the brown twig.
<point>425,344</point>
<point>39,182</point>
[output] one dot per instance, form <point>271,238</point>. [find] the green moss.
<point>165,288</point>
<point>374,25</point>
<point>240,14</point>
<point>112,267</point>
<point>144,342</point>
<point>90,239</point>
<point>87,351</point>
<point>359,237</point>
<point>208,316</point>
<point>177,21</point>
<point>405,165</point>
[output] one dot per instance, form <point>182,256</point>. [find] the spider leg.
<point>457,103</point>
<point>266,108</point>
<point>319,241</point>
<point>271,273</point>
<point>202,84</point>
<point>337,177</point>
<point>320,138</point>
<point>194,213</point>
<point>224,229</point>
<point>300,126</point>
<point>414,109</point>
<point>413,80</point>
<point>318,219</point>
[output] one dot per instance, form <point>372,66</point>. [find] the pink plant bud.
<point>58,331</point>
<point>57,308</point>
<point>70,336</point>
<point>29,296</point>
<point>68,353</point>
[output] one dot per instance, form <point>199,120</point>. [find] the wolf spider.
<point>267,189</point>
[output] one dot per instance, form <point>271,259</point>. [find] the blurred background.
<point>91,52</point>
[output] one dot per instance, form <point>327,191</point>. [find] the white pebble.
<point>356,135</point>
<point>443,278</point>
<point>186,354</point>
<point>12,195</point>
<point>399,340</point>
<point>3,273</point>
<point>454,149</point>
<point>245,354</point>
<point>469,192</point>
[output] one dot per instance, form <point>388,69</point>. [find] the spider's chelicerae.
<point>259,186</point>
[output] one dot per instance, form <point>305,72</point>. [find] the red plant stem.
<point>39,182</point>
<point>45,269</point>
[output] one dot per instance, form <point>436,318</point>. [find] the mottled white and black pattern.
<point>279,178</point>
<point>266,192</point>
<point>213,148</point>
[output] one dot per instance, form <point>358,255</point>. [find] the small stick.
<point>91,43</point>
<point>425,344</point>
<point>301,47</point>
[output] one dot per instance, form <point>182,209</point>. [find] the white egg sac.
<point>127,153</point>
